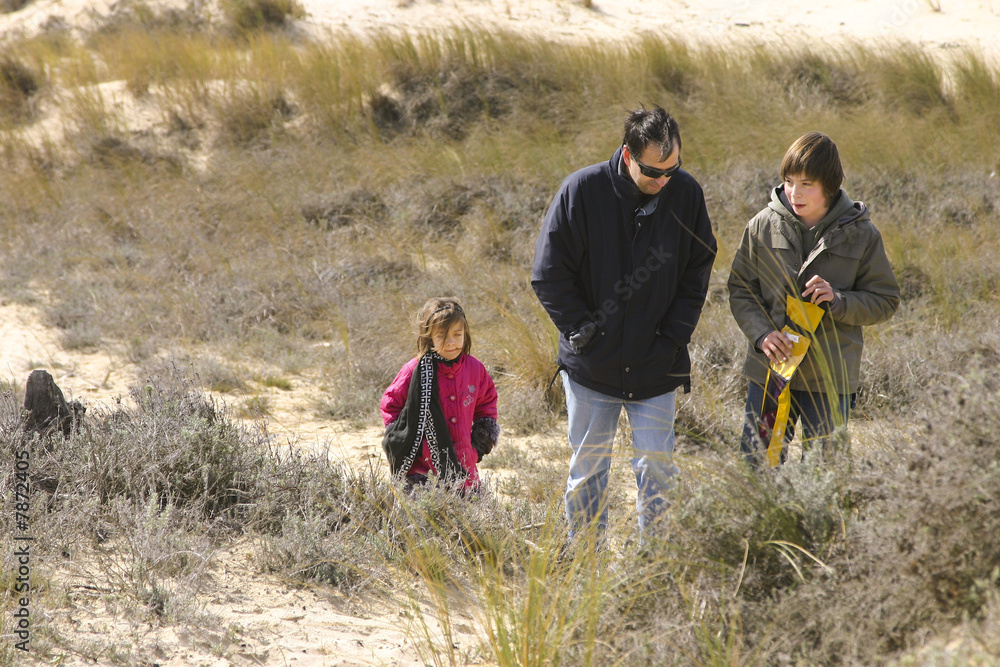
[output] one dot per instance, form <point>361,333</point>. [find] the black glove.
<point>579,338</point>
<point>485,434</point>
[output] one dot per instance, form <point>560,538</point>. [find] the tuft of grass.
<point>256,407</point>
<point>249,16</point>
<point>19,88</point>
<point>251,114</point>
<point>909,79</point>
<point>10,6</point>
<point>277,382</point>
<point>977,85</point>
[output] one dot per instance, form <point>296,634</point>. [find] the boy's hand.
<point>776,346</point>
<point>818,290</point>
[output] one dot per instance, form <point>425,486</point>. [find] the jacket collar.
<point>453,365</point>
<point>844,209</point>
<point>625,187</point>
<point>843,215</point>
<point>627,191</point>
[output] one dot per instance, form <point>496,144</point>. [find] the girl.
<point>812,243</point>
<point>441,410</point>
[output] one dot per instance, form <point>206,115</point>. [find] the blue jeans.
<point>815,411</point>
<point>593,423</point>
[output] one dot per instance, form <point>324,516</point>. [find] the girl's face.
<point>449,344</point>
<point>807,198</point>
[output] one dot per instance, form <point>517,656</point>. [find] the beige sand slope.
<point>934,24</point>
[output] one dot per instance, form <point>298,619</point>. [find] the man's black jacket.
<point>637,266</point>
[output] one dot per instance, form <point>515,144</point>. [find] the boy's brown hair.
<point>815,156</point>
<point>440,314</point>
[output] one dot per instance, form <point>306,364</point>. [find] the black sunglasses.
<point>649,172</point>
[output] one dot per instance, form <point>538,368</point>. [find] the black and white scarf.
<point>422,419</point>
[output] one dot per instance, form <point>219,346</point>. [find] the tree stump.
<point>46,410</point>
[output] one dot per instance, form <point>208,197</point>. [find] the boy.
<point>814,243</point>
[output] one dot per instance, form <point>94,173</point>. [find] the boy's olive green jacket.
<point>772,262</point>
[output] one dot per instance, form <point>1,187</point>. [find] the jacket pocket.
<point>840,265</point>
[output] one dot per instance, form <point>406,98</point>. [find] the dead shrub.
<point>320,522</point>
<point>132,15</point>
<point>158,558</point>
<point>914,558</point>
<point>175,447</point>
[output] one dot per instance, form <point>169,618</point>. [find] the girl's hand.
<point>776,346</point>
<point>818,290</point>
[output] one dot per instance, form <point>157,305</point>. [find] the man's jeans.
<point>593,423</point>
<point>814,410</point>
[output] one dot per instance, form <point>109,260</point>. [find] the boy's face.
<point>807,198</point>
<point>449,344</point>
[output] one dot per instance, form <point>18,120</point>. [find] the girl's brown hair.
<point>815,156</point>
<point>440,314</point>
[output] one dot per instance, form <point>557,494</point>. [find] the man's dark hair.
<point>651,127</point>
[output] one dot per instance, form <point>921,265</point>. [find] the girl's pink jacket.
<point>467,393</point>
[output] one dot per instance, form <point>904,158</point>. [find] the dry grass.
<point>294,202</point>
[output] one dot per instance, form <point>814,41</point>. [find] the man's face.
<point>650,158</point>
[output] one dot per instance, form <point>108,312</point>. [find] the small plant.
<point>277,382</point>
<point>256,407</point>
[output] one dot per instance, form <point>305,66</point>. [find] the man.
<point>622,266</point>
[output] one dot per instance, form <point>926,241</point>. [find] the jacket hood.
<point>844,209</point>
